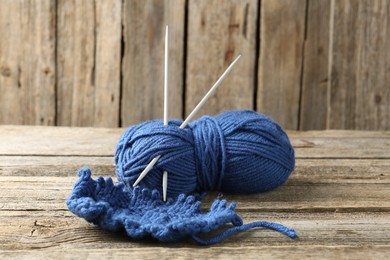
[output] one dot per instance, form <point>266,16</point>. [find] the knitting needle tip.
<point>165,185</point>
<point>146,170</point>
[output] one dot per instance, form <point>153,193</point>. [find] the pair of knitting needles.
<point>187,120</point>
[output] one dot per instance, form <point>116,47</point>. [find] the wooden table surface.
<point>337,199</point>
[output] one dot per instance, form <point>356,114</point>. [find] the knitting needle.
<point>165,174</point>
<point>192,114</point>
<point>211,91</point>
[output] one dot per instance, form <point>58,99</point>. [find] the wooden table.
<point>337,199</point>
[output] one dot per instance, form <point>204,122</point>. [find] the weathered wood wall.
<point>310,64</point>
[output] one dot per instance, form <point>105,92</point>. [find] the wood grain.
<point>282,35</point>
<point>307,171</point>
<point>83,141</point>
<point>359,94</point>
<point>309,64</point>
<point>88,62</point>
<point>65,166</point>
<point>48,224</point>
<point>218,31</point>
<point>50,193</point>
<point>60,229</point>
<point>27,71</point>
<point>247,252</point>
<point>143,62</point>
<point>60,141</point>
<point>314,96</point>
<point>339,206</point>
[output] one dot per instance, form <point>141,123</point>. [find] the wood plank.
<point>248,252</point>
<point>252,252</point>
<point>143,62</point>
<point>339,207</point>
<point>24,140</point>
<point>218,31</point>
<point>59,166</point>
<point>307,171</point>
<point>88,61</point>
<point>359,94</point>
<point>280,64</point>
<point>59,141</point>
<point>343,147</point>
<point>314,96</point>
<point>341,171</point>
<point>27,62</point>
<point>50,193</point>
<point>53,230</point>
<point>338,144</point>
<point>337,134</point>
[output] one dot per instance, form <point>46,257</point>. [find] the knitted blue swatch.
<point>141,212</point>
<point>238,151</point>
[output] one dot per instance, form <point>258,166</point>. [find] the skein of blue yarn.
<point>237,151</point>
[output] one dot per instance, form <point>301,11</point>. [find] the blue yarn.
<point>270,225</point>
<point>141,212</point>
<point>237,151</point>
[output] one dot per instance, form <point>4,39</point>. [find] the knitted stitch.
<point>237,151</point>
<point>142,213</point>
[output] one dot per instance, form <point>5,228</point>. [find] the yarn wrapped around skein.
<point>238,151</point>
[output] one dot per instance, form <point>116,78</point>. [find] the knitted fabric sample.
<point>141,212</point>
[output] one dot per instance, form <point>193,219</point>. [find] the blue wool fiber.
<point>141,213</point>
<point>237,151</point>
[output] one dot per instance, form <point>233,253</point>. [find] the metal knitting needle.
<point>165,174</point>
<point>192,114</point>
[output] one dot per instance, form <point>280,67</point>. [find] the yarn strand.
<point>269,225</point>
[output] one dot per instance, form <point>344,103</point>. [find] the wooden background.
<point>310,64</point>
